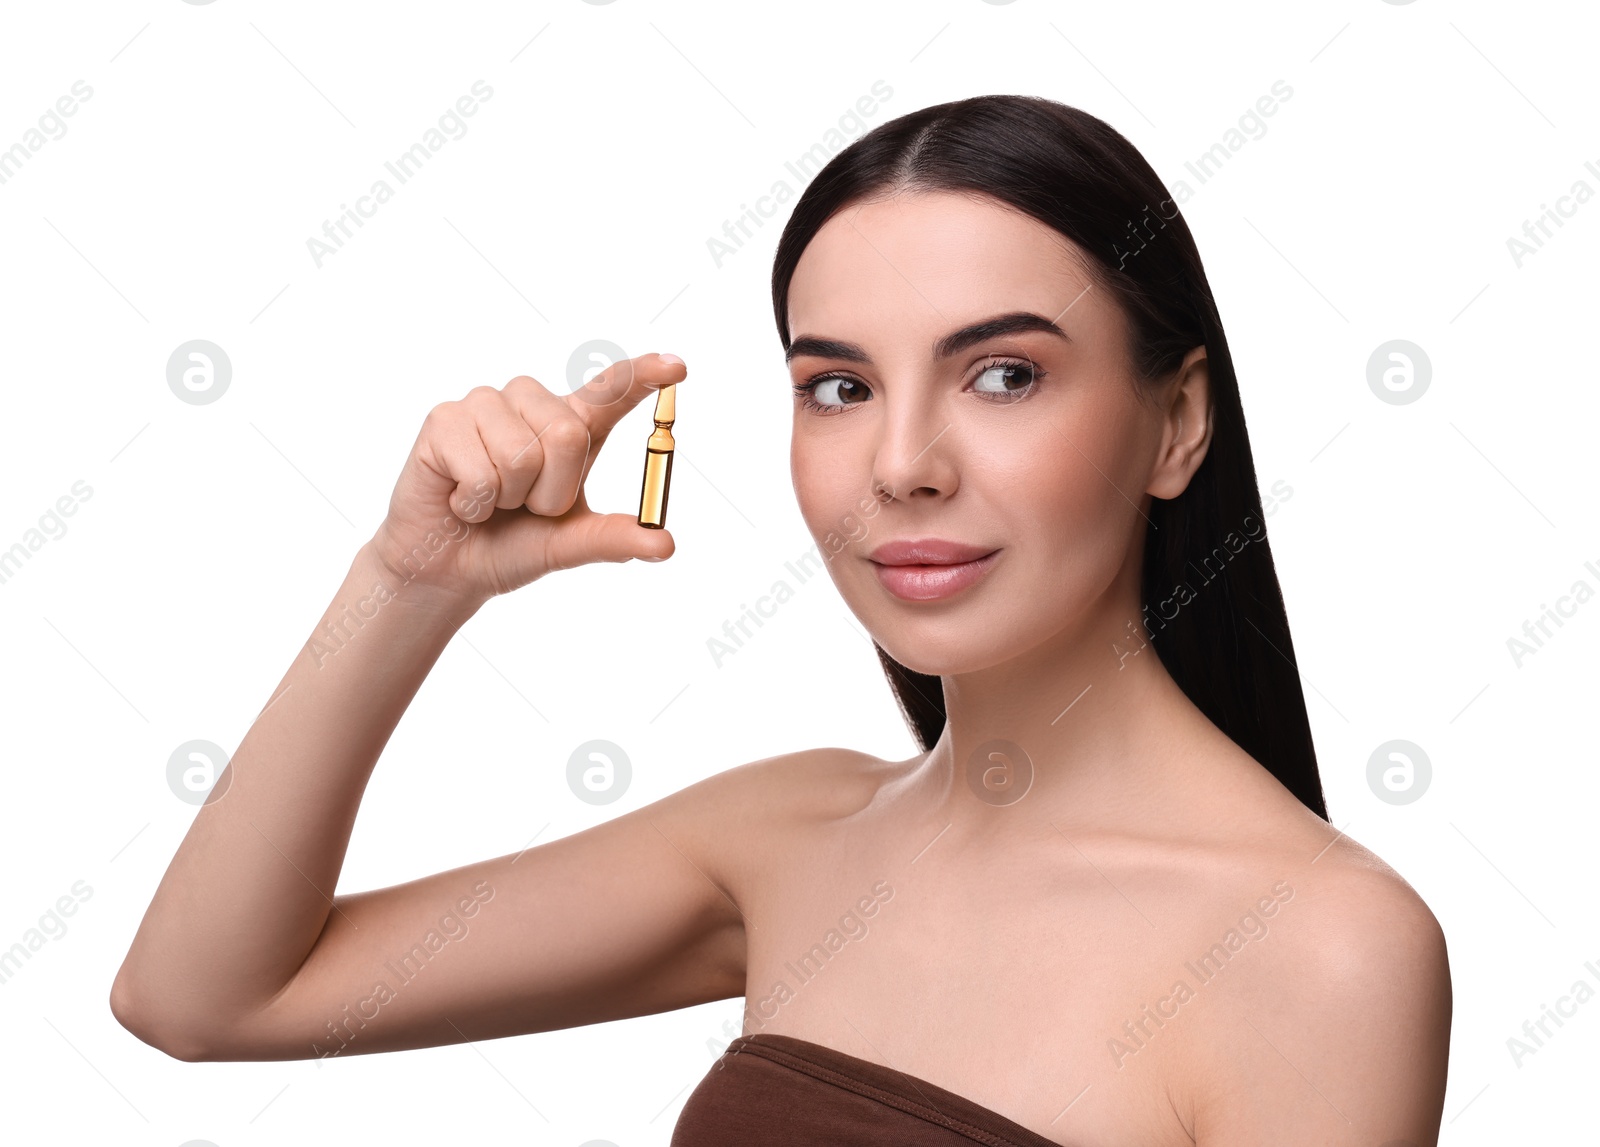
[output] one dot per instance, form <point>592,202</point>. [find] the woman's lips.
<point>932,582</point>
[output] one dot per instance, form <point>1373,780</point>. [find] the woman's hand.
<point>491,497</point>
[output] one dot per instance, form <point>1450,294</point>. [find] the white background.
<point>619,138</point>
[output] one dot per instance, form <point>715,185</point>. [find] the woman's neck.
<point>1089,723</point>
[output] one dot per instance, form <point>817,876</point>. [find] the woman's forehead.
<point>930,261</point>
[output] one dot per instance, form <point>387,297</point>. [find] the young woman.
<point>1103,905</point>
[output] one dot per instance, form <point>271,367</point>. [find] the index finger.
<point>602,401</point>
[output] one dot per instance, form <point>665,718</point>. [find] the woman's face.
<point>1027,444</point>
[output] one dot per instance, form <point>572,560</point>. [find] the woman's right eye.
<point>831,392</point>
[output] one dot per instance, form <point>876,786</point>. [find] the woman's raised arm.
<point>246,953</point>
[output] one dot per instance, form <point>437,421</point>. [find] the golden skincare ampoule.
<point>658,461</point>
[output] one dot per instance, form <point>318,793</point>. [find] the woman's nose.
<point>915,455</point>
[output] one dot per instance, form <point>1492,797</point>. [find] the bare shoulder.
<point>1362,927</point>
<point>1367,910</point>
<point>742,812</point>
<point>1341,1033</point>
<point>1361,909</point>
<point>827,783</point>
<point>1317,977</point>
<point>1367,941</point>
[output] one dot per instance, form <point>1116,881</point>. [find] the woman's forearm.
<point>250,888</point>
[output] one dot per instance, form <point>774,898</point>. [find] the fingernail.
<point>672,358</point>
<point>653,559</point>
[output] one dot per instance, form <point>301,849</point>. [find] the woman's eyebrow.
<point>953,343</point>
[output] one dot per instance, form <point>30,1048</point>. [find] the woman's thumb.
<point>607,538</point>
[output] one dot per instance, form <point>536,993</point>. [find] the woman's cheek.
<point>808,497</point>
<point>1078,515</point>
<point>825,505</point>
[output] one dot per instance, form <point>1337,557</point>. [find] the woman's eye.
<point>997,378</point>
<point>837,391</point>
<point>1001,380</point>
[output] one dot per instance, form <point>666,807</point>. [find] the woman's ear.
<point>1185,426</point>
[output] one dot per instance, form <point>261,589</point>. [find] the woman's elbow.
<point>142,1021</point>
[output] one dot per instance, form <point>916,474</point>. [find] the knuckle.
<point>524,382</point>
<point>528,459</point>
<point>567,434</point>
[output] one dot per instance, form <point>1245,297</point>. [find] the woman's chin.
<point>938,659</point>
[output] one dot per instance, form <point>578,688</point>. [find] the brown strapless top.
<point>769,1088</point>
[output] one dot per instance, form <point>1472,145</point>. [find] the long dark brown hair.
<point>1228,646</point>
